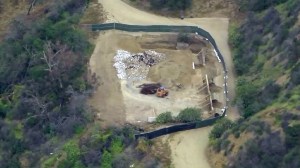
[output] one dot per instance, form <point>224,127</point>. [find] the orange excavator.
<point>162,92</point>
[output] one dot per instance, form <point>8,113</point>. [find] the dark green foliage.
<point>189,114</point>
<point>106,161</point>
<point>292,136</point>
<point>291,159</point>
<point>247,93</point>
<point>261,152</point>
<point>258,5</point>
<point>259,39</point>
<point>268,149</point>
<point>103,147</point>
<point>219,134</point>
<point>164,118</point>
<point>39,61</point>
<point>219,128</point>
<point>171,4</point>
<point>295,76</point>
<point>266,47</point>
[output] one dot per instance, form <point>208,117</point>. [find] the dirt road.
<point>188,148</point>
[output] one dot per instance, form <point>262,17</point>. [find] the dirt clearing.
<point>217,27</point>
<point>118,11</point>
<point>119,101</point>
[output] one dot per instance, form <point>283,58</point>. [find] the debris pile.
<point>135,66</point>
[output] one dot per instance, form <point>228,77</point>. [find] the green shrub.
<point>4,107</point>
<point>116,146</point>
<point>106,160</point>
<point>216,144</point>
<point>189,115</point>
<point>234,35</point>
<point>73,152</point>
<point>219,128</point>
<point>164,118</point>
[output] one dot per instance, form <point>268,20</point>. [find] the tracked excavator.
<point>155,88</point>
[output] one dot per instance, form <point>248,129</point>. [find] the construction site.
<point>146,74</point>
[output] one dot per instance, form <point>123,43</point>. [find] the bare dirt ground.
<point>118,11</point>
<point>187,148</point>
<point>191,149</point>
<point>108,99</point>
<point>131,106</point>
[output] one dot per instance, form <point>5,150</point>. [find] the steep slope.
<point>266,51</point>
<point>44,84</point>
<point>190,8</point>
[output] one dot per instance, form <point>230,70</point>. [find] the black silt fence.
<point>177,128</point>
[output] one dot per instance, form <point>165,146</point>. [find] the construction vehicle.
<point>154,88</point>
<point>162,92</point>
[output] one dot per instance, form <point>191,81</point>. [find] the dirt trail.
<point>188,148</point>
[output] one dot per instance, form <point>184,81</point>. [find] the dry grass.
<point>17,10</point>
<point>161,150</point>
<point>8,11</point>
<point>93,14</point>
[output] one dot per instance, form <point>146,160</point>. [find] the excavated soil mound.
<point>176,69</point>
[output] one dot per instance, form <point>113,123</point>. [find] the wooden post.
<point>203,59</point>
<point>210,99</point>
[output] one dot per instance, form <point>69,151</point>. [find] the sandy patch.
<point>188,148</point>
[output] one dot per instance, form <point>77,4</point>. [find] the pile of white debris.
<point>135,66</point>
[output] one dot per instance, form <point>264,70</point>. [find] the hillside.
<point>45,82</point>
<point>190,8</point>
<point>266,51</point>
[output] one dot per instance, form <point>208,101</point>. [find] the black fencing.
<point>171,28</point>
<point>177,128</point>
